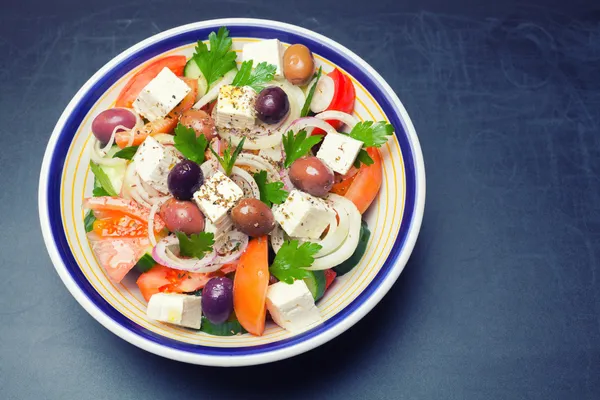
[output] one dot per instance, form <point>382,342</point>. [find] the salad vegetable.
<point>199,178</point>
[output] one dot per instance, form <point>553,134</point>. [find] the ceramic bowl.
<point>394,218</point>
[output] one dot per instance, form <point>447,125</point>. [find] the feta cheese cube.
<point>217,196</point>
<point>269,51</point>
<point>235,107</point>
<point>303,215</point>
<point>160,95</point>
<point>174,308</point>
<point>292,306</point>
<point>339,151</point>
<point>153,162</point>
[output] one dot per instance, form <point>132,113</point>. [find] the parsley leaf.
<point>127,153</point>
<point>364,158</point>
<point>298,145</point>
<point>103,182</point>
<point>311,93</point>
<point>372,134</point>
<point>189,145</point>
<point>88,221</point>
<point>228,159</point>
<point>214,63</point>
<point>197,245</point>
<point>270,193</point>
<point>291,260</point>
<point>255,78</point>
<point>98,190</point>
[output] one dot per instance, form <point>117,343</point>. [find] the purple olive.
<point>182,216</point>
<point>184,179</point>
<point>217,299</point>
<point>272,105</point>
<point>107,120</point>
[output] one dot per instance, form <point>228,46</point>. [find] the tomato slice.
<point>163,279</point>
<point>115,207</point>
<point>329,277</point>
<point>120,233</point>
<point>366,183</point>
<point>343,98</point>
<point>135,85</point>
<point>160,125</point>
<point>250,286</point>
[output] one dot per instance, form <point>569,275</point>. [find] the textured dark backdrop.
<point>500,298</point>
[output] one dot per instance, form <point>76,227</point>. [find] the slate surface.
<point>500,299</point>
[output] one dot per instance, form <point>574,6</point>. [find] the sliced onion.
<point>246,182</point>
<point>347,119</point>
<point>277,238</point>
<point>163,254</point>
<point>209,168</point>
<point>99,157</point>
<point>256,164</point>
<point>213,93</point>
<point>350,243</point>
<point>311,122</point>
<point>287,182</point>
<point>165,139</point>
<point>111,141</point>
<point>230,247</point>
<point>263,135</point>
<point>151,235</point>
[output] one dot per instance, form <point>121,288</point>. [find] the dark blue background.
<point>501,297</point>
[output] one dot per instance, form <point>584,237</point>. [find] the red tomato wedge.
<point>118,255</point>
<point>343,98</point>
<point>114,206</point>
<point>163,279</point>
<point>161,125</point>
<point>250,286</point>
<point>120,235</point>
<point>135,85</point>
<point>366,183</point>
<point>329,277</point>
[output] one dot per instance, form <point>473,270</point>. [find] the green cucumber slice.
<point>355,258</point>
<point>231,327</point>
<point>145,263</point>
<point>316,284</point>
<point>192,70</point>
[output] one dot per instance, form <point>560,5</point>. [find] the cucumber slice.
<point>316,284</point>
<point>192,70</point>
<point>355,258</point>
<point>88,221</point>
<point>145,263</point>
<point>230,327</point>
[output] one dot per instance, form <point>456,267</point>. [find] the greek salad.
<point>235,192</point>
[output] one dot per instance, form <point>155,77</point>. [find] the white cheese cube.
<point>339,151</point>
<point>235,107</point>
<point>217,196</point>
<point>292,306</point>
<point>303,215</point>
<point>269,51</point>
<point>272,154</point>
<point>153,162</point>
<point>160,95</point>
<point>174,308</point>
